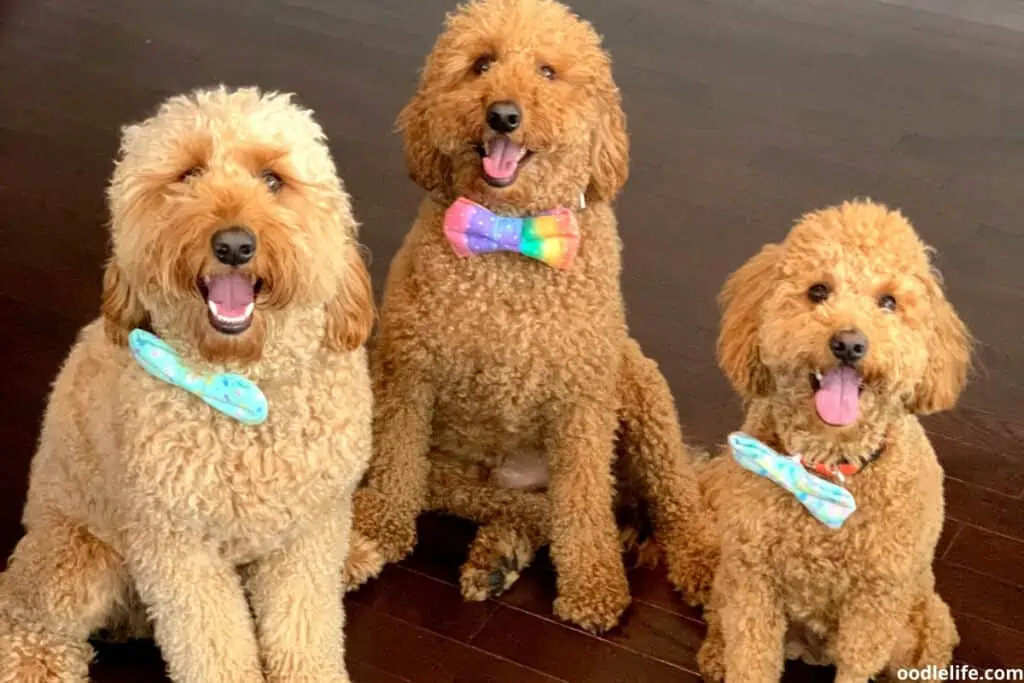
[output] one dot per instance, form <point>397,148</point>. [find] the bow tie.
<point>552,237</point>
<point>229,393</point>
<point>831,504</point>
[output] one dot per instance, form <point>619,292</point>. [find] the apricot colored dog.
<point>233,241</point>
<point>487,361</point>
<point>837,339</point>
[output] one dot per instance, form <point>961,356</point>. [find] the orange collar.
<point>844,469</point>
<point>837,473</point>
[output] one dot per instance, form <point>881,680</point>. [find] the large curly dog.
<point>837,339</point>
<point>166,492</point>
<point>504,374</point>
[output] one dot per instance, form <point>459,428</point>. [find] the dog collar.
<point>231,394</point>
<point>841,471</point>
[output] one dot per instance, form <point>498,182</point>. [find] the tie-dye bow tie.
<point>552,237</point>
<point>831,504</point>
<point>231,394</point>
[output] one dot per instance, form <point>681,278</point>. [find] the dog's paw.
<point>364,561</point>
<point>692,574</point>
<point>711,660</point>
<point>691,555</point>
<point>594,607</point>
<point>482,582</point>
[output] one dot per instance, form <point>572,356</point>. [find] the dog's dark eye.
<point>887,301</point>
<point>192,172</point>
<point>272,180</point>
<point>818,293</point>
<point>482,64</point>
<point>547,72</point>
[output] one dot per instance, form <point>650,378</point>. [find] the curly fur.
<point>499,357</point>
<point>862,597</point>
<point>231,537</point>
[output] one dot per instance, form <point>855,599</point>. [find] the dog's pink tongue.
<point>503,159</point>
<point>232,293</point>
<point>838,399</point>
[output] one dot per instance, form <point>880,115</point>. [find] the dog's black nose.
<point>504,117</point>
<point>233,246</point>
<point>849,346</point>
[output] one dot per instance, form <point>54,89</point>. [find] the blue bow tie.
<point>229,393</point>
<point>831,504</point>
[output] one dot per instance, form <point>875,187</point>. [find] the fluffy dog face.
<point>843,322</point>
<point>227,213</point>
<point>517,107</point>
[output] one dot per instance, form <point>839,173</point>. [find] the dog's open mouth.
<point>837,395</point>
<point>501,159</point>
<point>231,298</point>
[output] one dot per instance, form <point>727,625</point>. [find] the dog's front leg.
<point>386,508</point>
<point>200,615</point>
<point>753,625</point>
<point>667,471</point>
<point>592,586</point>
<point>869,624</point>
<point>296,596</point>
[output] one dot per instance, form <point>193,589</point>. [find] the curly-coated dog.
<point>837,339</point>
<point>221,518</point>
<point>503,338</point>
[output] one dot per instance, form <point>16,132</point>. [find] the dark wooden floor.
<point>744,115</point>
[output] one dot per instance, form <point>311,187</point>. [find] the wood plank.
<point>980,595</point>
<point>410,652</point>
<point>365,673</point>
<point>545,645</point>
<point>437,606</point>
<point>986,645</point>
<point>984,508</point>
<point>989,554</point>
<point>651,586</point>
<point>442,547</point>
<point>1002,472</point>
<point>949,532</point>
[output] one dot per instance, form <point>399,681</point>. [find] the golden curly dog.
<point>233,240</point>
<point>837,339</point>
<point>498,374</point>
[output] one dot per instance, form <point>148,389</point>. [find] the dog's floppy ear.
<point>610,146</point>
<point>350,313</point>
<point>741,299</point>
<point>121,309</point>
<point>949,349</point>
<point>426,166</point>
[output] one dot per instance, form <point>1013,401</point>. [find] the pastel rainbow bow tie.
<point>552,237</point>
<point>229,393</point>
<point>831,504</point>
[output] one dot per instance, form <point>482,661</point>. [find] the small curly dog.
<point>234,251</point>
<point>837,339</point>
<point>504,370</point>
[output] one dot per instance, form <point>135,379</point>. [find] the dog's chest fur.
<point>511,341</point>
<point>173,465</point>
<point>248,487</point>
